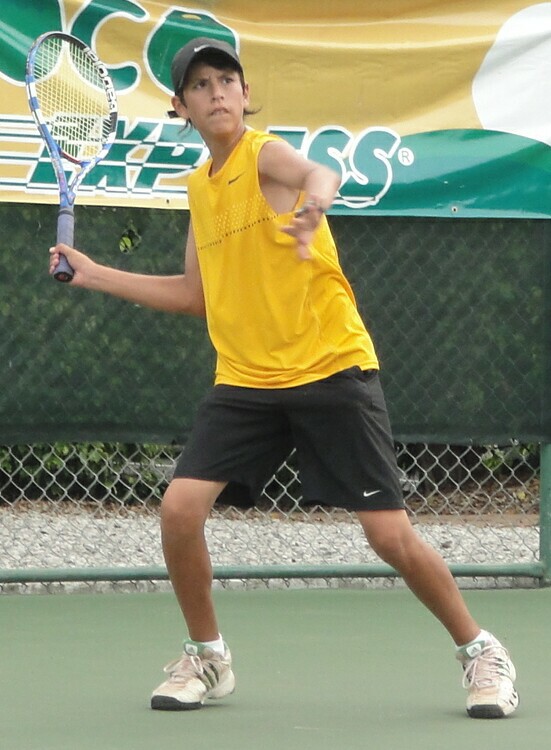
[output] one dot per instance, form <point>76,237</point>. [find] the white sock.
<point>217,646</point>
<point>482,636</point>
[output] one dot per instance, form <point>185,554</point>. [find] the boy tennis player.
<point>295,367</point>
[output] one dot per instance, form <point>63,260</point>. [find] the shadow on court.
<point>316,669</point>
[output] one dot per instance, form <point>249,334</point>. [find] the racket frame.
<point>68,188</point>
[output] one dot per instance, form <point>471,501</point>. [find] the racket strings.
<point>72,98</point>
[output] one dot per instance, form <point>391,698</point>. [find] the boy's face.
<point>214,99</point>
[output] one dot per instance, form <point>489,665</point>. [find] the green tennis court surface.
<point>315,669</point>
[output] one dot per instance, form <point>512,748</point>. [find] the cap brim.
<point>203,51</point>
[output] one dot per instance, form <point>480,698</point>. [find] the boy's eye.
<point>202,82</point>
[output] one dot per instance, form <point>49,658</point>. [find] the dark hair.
<point>220,62</point>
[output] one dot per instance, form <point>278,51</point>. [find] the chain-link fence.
<point>88,510</point>
<point>97,396</point>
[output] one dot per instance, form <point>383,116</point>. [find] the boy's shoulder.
<point>249,145</point>
<point>254,140</point>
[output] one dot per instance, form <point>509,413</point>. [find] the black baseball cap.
<point>193,50</point>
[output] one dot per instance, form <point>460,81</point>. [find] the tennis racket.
<point>74,104</point>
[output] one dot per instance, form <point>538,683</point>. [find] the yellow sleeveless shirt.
<point>275,321</point>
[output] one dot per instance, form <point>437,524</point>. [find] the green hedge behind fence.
<point>459,310</point>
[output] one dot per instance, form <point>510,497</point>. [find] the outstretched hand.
<point>303,225</point>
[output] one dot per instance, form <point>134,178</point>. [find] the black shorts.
<point>339,426</point>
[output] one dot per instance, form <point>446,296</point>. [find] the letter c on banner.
<point>87,23</point>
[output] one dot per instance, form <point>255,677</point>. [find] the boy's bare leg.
<point>394,539</point>
<point>184,511</point>
<point>204,670</point>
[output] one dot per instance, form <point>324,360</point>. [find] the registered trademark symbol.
<point>406,157</point>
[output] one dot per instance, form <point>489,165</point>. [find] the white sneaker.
<point>198,674</point>
<point>489,676</point>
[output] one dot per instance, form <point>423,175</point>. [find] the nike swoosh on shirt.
<point>233,179</point>
<point>373,492</point>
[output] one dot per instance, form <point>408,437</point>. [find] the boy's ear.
<point>179,107</point>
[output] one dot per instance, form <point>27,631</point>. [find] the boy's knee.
<point>179,507</point>
<point>387,545</point>
<point>390,541</point>
<point>186,504</point>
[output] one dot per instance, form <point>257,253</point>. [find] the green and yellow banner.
<point>432,108</point>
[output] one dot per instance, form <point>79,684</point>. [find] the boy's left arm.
<point>281,163</point>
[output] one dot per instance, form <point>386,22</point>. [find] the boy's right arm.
<point>179,294</point>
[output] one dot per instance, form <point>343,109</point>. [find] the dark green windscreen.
<point>459,311</point>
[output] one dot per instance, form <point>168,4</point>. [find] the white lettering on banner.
<point>149,160</point>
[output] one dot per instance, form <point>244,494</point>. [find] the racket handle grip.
<point>65,234</point>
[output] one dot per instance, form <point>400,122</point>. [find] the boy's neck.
<point>220,150</point>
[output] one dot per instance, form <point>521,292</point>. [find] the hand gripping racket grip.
<point>65,234</point>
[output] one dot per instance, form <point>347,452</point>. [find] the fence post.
<point>545,512</point>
